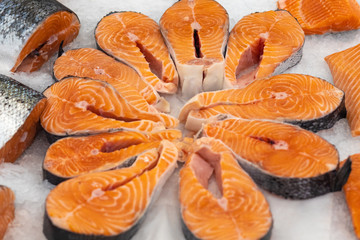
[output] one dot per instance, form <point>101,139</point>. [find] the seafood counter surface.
<point>326,217</point>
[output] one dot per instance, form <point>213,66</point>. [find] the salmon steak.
<point>95,64</point>
<point>73,156</point>
<point>20,110</point>
<point>352,192</point>
<point>196,33</point>
<point>262,45</point>
<point>237,210</point>
<point>344,67</point>
<point>7,209</point>
<point>310,102</point>
<point>141,46</point>
<point>322,16</point>
<point>31,31</point>
<point>78,106</point>
<point>283,159</point>
<point>111,204</point>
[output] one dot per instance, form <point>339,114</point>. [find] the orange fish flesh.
<point>307,101</point>
<point>77,106</point>
<point>352,190</point>
<point>7,209</point>
<point>262,45</point>
<point>94,64</point>
<point>196,32</point>
<point>108,204</point>
<point>281,158</point>
<point>141,46</point>
<point>322,16</point>
<point>33,30</point>
<point>20,109</point>
<point>237,211</point>
<point>344,67</point>
<point>73,156</point>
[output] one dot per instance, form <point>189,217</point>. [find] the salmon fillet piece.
<point>77,106</point>
<point>136,40</point>
<point>238,210</point>
<point>20,110</point>
<point>352,190</point>
<point>31,31</point>
<point>262,45</point>
<point>73,156</point>
<point>7,209</point>
<point>196,32</point>
<point>344,67</point>
<point>94,64</point>
<point>123,194</point>
<point>322,16</point>
<point>281,158</point>
<point>307,101</point>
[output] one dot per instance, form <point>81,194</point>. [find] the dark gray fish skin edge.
<point>299,188</point>
<point>325,122</point>
<point>190,236</point>
<point>21,16</point>
<point>52,232</point>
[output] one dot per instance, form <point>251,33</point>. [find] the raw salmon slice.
<point>344,67</point>
<point>20,109</point>
<point>74,156</point>
<point>307,101</point>
<point>31,31</point>
<point>136,40</point>
<point>262,45</point>
<point>108,205</point>
<point>281,158</point>
<point>321,16</point>
<point>352,192</point>
<point>77,106</point>
<point>94,64</point>
<point>238,211</point>
<point>196,32</point>
<point>7,209</point>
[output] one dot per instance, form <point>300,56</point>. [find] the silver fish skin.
<point>17,101</point>
<point>19,19</point>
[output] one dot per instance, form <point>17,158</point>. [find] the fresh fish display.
<point>77,106</point>
<point>237,211</point>
<point>108,205</point>
<point>352,192</point>
<point>136,40</point>
<point>344,67</point>
<point>322,16</point>
<point>7,209</point>
<point>262,45</point>
<point>310,102</point>
<point>196,32</point>
<point>31,31</point>
<point>94,64</point>
<point>20,109</point>
<point>281,158</point>
<point>73,156</point>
